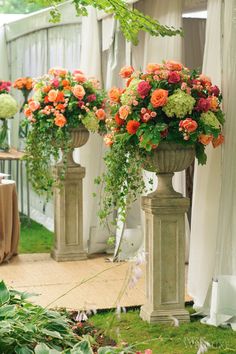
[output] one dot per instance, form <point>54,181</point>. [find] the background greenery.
<point>19,6</point>
<point>34,238</point>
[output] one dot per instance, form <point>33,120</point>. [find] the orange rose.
<point>60,107</point>
<point>173,65</point>
<point>214,103</point>
<point>114,94</point>
<point>205,139</point>
<point>152,68</point>
<point>124,111</point>
<point>60,97</point>
<point>126,72</point>
<point>52,95</point>
<point>27,112</point>
<point>60,120</point>
<point>34,105</point>
<point>100,113</point>
<point>78,91</point>
<point>65,83</point>
<point>206,80</point>
<point>159,98</point>
<point>218,141</point>
<point>46,89</point>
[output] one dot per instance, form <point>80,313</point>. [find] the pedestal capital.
<point>161,205</point>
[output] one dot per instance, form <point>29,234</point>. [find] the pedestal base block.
<point>164,316</point>
<point>67,256</point>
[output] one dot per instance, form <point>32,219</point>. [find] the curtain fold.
<point>207,179</point>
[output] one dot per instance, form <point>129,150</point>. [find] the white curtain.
<point>207,179</point>
<point>4,70</point>
<point>213,242</point>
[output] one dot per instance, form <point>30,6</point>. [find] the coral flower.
<point>173,65</point>
<point>174,77</point>
<point>78,91</point>
<point>205,139</point>
<point>143,88</point>
<point>189,125</point>
<point>60,120</point>
<point>108,139</point>
<point>57,71</point>
<point>118,120</point>
<point>132,126</point>
<point>124,111</point>
<point>27,112</point>
<point>79,77</point>
<point>218,141</point>
<point>100,113</point>
<point>159,98</point>
<point>52,95</point>
<point>34,105</point>
<point>114,94</point>
<point>60,97</point>
<point>126,72</point>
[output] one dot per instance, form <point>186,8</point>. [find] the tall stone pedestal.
<point>165,247</point>
<point>68,210</point>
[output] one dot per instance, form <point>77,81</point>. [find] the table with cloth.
<point>9,220</point>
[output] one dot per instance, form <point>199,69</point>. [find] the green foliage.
<point>131,21</point>
<point>166,339</point>
<point>20,7</point>
<point>23,325</point>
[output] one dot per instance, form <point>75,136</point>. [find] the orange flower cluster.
<point>23,83</point>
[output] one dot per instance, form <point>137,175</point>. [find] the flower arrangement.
<point>167,102</point>
<point>8,107</point>
<point>61,101</point>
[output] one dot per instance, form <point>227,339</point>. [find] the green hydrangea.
<point>130,92</point>
<point>210,119</point>
<point>38,96</point>
<point>8,106</point>
<point>91,122</point>
<point>179,104</point>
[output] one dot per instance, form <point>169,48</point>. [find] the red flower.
<point>164,133</point>
<point>143,88</point>
<point>91,98</point>
<point>132,126</point>
<point>203,105</point>
<point>173,77</point>
<point>118,120</point>
<point>60,97</point>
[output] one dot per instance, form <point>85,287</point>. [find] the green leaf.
<point>42,348</point>
<point>7,311</point>
<point>4,293</point>
<point>23,350</point>
<point>82,347</point>
<point>53,334</point>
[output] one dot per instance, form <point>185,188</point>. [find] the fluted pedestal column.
<point>165,248</point>
<point>68,210</point>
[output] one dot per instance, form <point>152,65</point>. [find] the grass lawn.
<point>163,339</point>
<point>34,238</point>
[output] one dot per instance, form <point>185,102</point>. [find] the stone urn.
<point>165,236</point>
<point>79,137</point>
<point>168,158</point>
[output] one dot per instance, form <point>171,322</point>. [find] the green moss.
<point>34,238</point>
<point>163,339</point>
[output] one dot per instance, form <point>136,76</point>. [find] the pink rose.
<point>34,105</point>
<point>78,91</point>
<point>143,88</point>
<point>173,77</point>
<point>203,105</point>
<point>215,91</point>
<point>91,98</point>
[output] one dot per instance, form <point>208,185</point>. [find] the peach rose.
<point>57,71</point>
<point>114,94</point>
<point>34,105</point>
<point>80,77</point>
<point>159,98</point>
<point>189,125</point>
<point>60,120</point>
<point>173,65</point>
<point>205,139</point>
<point>52,95</point>
<point>100,113</point>
<point>78,91</point>
<point>218,141</point>
<point>108,139</point>
<point>152,68</point>
<point>124,111</point>
<point>126,71</point>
